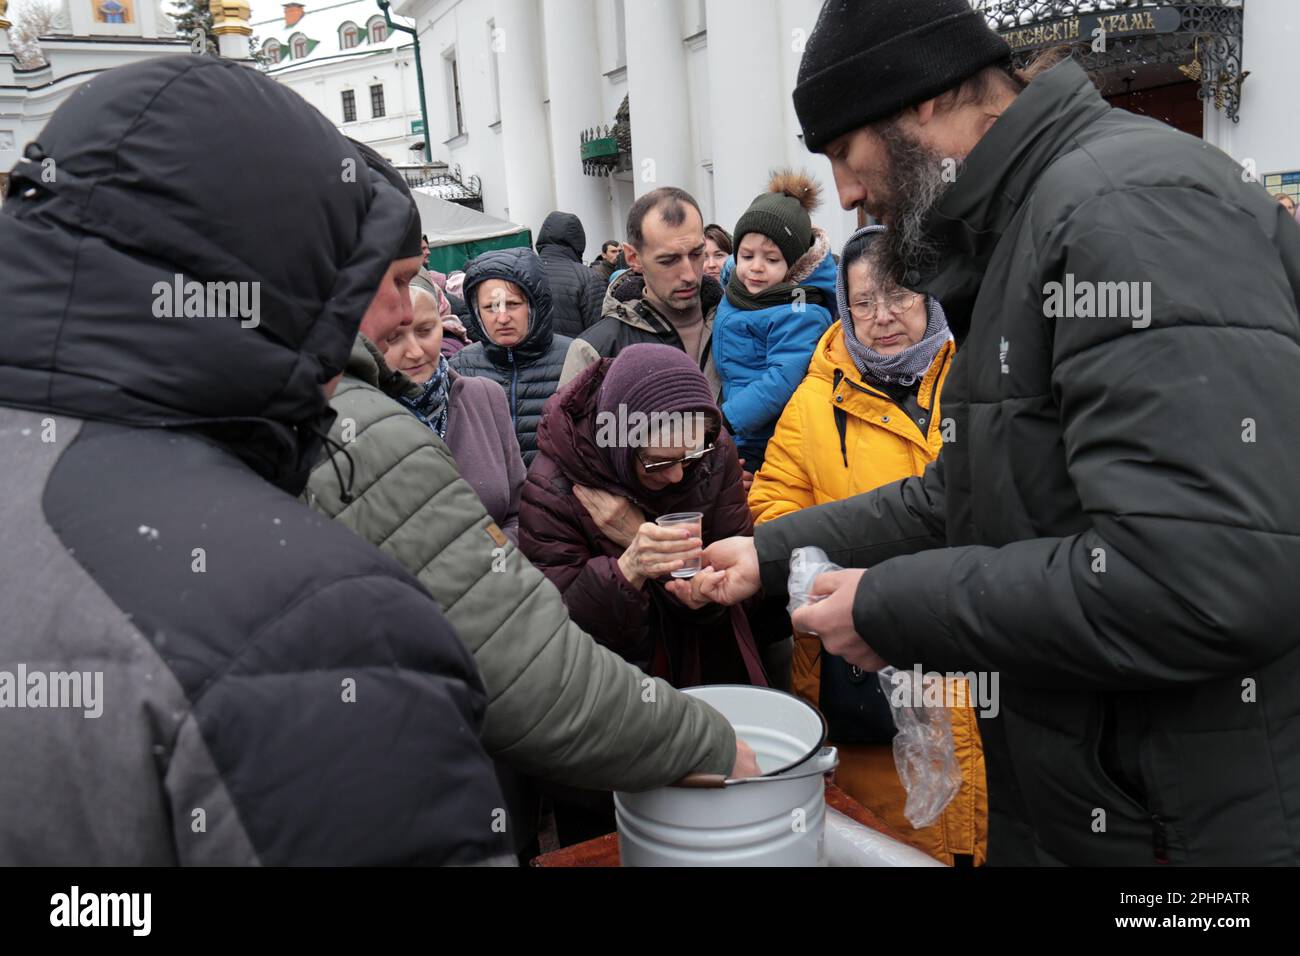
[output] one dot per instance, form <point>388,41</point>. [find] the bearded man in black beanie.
<point>892,56</point>
<point>1112,529</point>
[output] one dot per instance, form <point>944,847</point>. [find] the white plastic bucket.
<point>773,820</point>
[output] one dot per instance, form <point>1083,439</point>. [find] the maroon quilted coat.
<point>648,627</point>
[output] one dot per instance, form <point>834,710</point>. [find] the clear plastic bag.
<point>923,747</point>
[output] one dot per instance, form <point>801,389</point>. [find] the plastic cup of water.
<point>685,519</point>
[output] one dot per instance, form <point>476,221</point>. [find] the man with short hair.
<point>1113,527</point>
<point>603,265</point>
<point>663,298</point>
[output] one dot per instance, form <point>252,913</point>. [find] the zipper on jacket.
<point>841,419</point>
<point>514,389</point>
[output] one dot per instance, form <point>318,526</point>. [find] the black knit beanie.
<point>867,60</point>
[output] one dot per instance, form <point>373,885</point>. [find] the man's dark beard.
<point>917,184</point>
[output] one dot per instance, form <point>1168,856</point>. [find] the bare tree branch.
<point>33,20</point>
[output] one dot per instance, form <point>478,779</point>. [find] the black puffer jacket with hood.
<point>530,371</point>
<point>576,291</point>
<point>273,689</point>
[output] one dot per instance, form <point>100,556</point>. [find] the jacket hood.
<point>568,432</point>
<point>830,355</point>
<point>562,233</point>
<point>627,291</point>
<point>816,267</point>
<point>137,289</point>
<point>522,267</point>
<point>626,287</point>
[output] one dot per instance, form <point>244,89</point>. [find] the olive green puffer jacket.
<point>560,706</point>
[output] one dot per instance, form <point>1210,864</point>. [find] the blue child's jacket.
<point>762,356</point>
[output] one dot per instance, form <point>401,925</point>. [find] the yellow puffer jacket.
<point>808,463</point>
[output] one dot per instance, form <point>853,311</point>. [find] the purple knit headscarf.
<point>644,379</point>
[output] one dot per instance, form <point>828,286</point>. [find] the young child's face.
<point>759,263</point>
